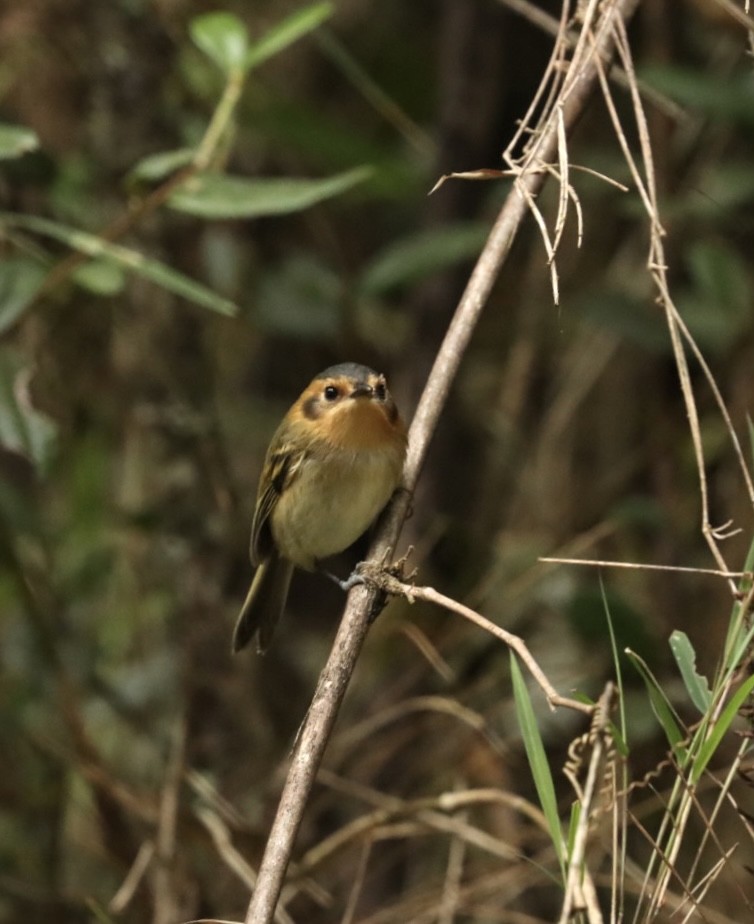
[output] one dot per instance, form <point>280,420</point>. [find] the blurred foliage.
<point>271,163</point>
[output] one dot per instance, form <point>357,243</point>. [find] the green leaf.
<point>102,277</point>
<point>16,140</point>
<point>23,429</point>
<point>535,751</point>
<point>707,750</point>
<point>215,195</point>
<point>287,32</point>
<point>410,259</point>
<point>157,166</point>
<point>660,706</point>
<point>223,38</point>
<point>685,657</point>
<point>20,279</point>
<point>126,259</point>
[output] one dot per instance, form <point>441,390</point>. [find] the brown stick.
<point>514,642</point>
<point>336,674</point>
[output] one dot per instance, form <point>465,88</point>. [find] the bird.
<point>330,469</point>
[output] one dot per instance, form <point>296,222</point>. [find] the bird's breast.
<point>336,495</point>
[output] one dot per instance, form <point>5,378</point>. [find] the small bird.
<point>331,467</point>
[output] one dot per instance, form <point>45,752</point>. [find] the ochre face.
<point>352,409</point>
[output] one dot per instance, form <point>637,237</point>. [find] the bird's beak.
<point>362,390</point>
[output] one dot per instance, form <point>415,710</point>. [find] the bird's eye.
<point>380,392</point>
<point>331,392</point>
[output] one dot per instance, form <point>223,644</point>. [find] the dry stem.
<point>392,585</point>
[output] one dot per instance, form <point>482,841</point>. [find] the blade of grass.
<point>733,641</point>
<point>707,750</point>
<point>660,706</point>
<point>535,752</point>
<point>623,737</point>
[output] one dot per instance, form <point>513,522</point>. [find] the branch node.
<point>389,579</point>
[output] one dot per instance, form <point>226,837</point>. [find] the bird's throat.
<point>359,425</point>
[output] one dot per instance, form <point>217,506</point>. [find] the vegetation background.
<point>141,761</point>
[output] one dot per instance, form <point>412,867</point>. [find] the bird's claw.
<point>387,578</point>
<point>354,578</point>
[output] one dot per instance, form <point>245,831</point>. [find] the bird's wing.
<point>281,468</point>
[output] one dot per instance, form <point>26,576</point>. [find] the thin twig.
<point>358,882</point>
<point>552,26</point>
<point>432,812</point>
<point>449,900</point>
<point>638,566</point>
<point>355,736</point>
<point>580,891</point>
<point>312,739</point>
<point>393,586</point>
<point>645,185</point>
<point>221,838</point>
<point>120,901</point>
<point>741,16</point>
<point>166,903</point>
<point>673,827</point>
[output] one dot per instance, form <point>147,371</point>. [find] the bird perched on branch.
<point>331,467</point>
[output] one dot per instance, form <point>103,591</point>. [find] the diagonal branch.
<point>392,585</point>
<point>354,625</point>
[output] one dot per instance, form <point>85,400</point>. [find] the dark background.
<point>124,514</point>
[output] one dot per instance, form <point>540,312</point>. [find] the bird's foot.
<point>354,578</point>
<point>387,578</point>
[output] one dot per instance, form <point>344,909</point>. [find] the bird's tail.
<point>264,603</point>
